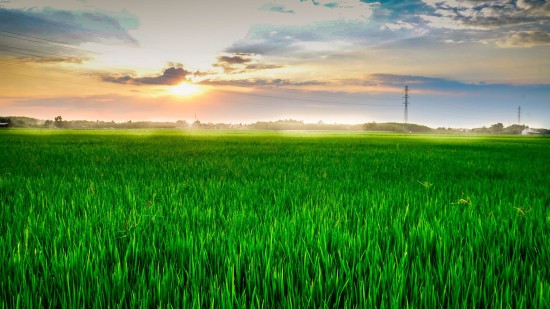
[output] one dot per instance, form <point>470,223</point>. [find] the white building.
<point>528,131</point>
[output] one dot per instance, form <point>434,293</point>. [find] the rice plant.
<point>256,219</point>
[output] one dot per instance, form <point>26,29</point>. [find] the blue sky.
<point>467,63</point>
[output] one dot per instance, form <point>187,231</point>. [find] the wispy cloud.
<point>436,84</point>
<point>53,59</point>
<point>260,82</point>
<point>72,27</point>
<point>301,12</point>
<point>242,63</point>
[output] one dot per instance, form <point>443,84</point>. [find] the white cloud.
<point>399,25</point>
<point>446,22</point>
<point>526,39</point>
<point>332,46</point>
<point>294,12</point>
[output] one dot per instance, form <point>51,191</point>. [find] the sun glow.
<point>185,89</point>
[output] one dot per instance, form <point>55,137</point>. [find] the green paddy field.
<point>247,219</point>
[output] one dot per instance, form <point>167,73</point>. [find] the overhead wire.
<point>39,40</point>
<point>28,50</point>
<point>304,100</point>
<point>59,24</point>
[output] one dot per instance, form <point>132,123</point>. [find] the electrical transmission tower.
<point>519,115</point>
<point>406,97</point>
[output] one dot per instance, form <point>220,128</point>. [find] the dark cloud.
<point>492,14</point>
<point>71,27</point>
<point>242,63</point>
<point>234,59</point>
<point>170,76</point>
<point>513,23</point>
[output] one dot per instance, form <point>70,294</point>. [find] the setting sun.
<point>185,89</point>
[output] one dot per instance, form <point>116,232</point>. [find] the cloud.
<point>288,23</point>
<point>261,47</point>
<point>422,82</point>
<point>241,63</point>
<point>526,39</point>
<point>238,59</point>
<point>486,14</point>
<point>287,41</point>
<point>306,12</point>
<point>257,67</point>
<point>60,59</point>
<point>272,7</point>
<point>506,23</point>
<point>170,76</point>
<point>259,82</point>
<point>71,27</point>
<point>399,25</point>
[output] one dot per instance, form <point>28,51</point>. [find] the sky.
<point>466,63</point>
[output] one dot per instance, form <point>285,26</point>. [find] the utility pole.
<point>519,115</point>
<point>406,120</point>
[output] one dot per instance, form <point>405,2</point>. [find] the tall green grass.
<point>232,219</point>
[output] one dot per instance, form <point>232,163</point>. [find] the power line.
<point>20,53</point>
<point>64,81</point>
<point>303,100</point>
<point>293,91</point>
<point>43,68</point>
<point>58,24</point>
<point>46,41</point>
<point>29,50</point>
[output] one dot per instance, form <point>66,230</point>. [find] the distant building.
<point>4,124</point>
<point>528,131</point>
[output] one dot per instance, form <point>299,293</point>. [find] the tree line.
<point>287,124</point>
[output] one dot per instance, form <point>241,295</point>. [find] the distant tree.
<point>196,124</point>
<point>182,123</point>
<point>514,129</point>
<point>58,121</point>
<point>497,128</point>
<point>6,120</point>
